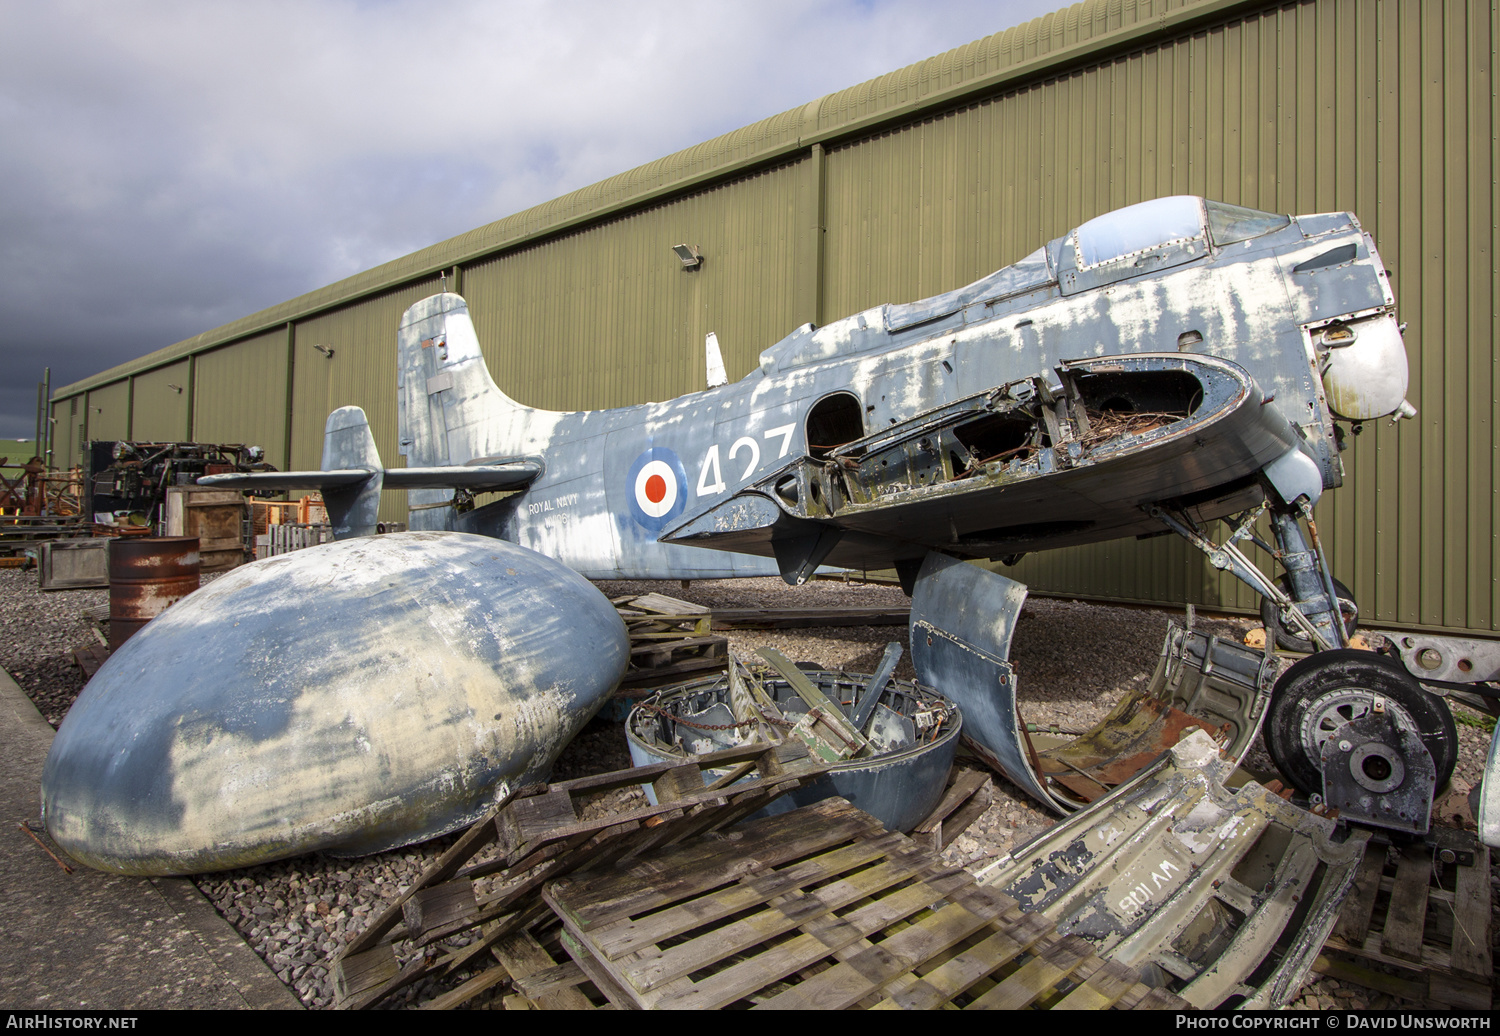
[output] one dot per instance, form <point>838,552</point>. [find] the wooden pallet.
<point>89,658</point>
<point>669,640</point>
<point>822,909</point>
<point>540,834</point>
<point>1427,919</point>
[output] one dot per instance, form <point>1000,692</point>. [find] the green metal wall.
<point>107,415</point>
<point>239,395</point>
<point>933,175</point>
<point>608,316</point>
<point>159,408</point>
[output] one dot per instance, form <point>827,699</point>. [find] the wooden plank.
<point>1354,918</point>
<point>939,986</point>
<point>359,973</point>
<point>802,618</point>
<point>560,978</point>
<point>413,972</point>
<point>1471,952</point>
<point>1455,991</point>
<point>534,817</point>
<point>598,975</point>
<point>1056,960</point>
<point>1101,990</point>
<point>664,605</point>
<point>440,907</point>
<point>467,991</point>
<point>537,976</point>
<point>678,783</point>
<point>959,822</point>
<point>1381,982</point>
<point>965,784</point>
<point>1407,913</point>
<point>1143,998</point>
<point>670,642</point>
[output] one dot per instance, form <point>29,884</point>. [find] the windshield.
<point>1231,223</point>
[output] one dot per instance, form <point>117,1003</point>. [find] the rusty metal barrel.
<point>145,575</point>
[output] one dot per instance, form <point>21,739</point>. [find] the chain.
<point>714,726</point>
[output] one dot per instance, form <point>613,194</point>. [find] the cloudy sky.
<point>168,167</point>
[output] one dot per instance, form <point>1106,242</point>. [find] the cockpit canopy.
<point>1154,235</point>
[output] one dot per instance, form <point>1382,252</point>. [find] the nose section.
<point>1367,377</point>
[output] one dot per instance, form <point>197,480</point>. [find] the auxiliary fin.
<point>348,445</point>
<point>350,479</point>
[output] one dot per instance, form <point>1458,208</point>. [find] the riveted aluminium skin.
<point>347,698</point>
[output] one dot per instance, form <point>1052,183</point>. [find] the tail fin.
<point>451,411</point>
<point>348,445</point>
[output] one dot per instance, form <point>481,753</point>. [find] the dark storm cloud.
<point>169,167</point>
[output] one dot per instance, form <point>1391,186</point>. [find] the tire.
<point>1316,695</point>
<point>1289,639</point>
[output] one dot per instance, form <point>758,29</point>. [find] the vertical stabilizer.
<point>349,446</point>
<point>451,411</point>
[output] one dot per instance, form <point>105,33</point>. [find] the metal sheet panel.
<point>610,317</point>
<point>107,415</point>
<point>239,395</point>
<point>67,435</point>
<point>159,406</point>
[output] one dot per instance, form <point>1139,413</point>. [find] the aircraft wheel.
<point>1290,639</point>
<point>1326,690</point>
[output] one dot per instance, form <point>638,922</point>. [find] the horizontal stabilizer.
<point>486,478</point>
<point>494,478</point>
<point>285,479</point>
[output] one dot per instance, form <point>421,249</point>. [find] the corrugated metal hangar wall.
<point>927,178</point>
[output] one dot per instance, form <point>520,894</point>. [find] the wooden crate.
<point>822,909</point>
<point>1427,919</point>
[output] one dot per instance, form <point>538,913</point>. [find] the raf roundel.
<point>655,485</point>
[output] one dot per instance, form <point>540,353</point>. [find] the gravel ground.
<point>1073,660</point>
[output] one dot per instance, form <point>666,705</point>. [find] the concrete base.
<point>92,940</point>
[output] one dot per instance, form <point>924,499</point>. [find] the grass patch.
<point>1468,719</point>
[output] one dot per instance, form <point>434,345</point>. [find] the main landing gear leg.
<point>1309,606</point>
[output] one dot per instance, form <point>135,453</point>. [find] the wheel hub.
<point>1337,707</point>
